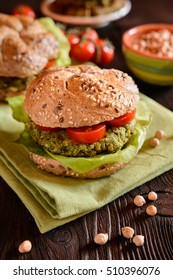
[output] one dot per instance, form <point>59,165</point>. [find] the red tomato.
<point>73,39</point>
<point>24,10</point>
<point>50,63</point>
<point>83,51</point>
<point>88,134</point>
<point>123,120</point>
<point>47,129</point>
<point>105,52</point>
<point>91,34</point>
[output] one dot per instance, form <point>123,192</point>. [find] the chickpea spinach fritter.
<point>58,142</point>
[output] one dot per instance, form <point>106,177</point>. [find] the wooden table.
<point>75,239</point>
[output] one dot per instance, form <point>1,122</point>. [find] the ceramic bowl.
<point>152,63</point>
<point>47,9</point>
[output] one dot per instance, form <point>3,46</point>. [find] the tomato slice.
<point>50,63</point>
<point>87,134</point>
<point>123,120</point>
<point>48,129</point>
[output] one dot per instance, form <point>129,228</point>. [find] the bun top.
<point>25,46</point>
<point>81,95</point>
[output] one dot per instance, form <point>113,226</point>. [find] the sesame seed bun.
<point>81,95</point>
<point>53,166</point>
<point>25,49</point>
<point>26,46</point>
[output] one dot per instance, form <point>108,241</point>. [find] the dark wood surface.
<point>75,239</point>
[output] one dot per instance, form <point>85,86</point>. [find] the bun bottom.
<point>53,166</point>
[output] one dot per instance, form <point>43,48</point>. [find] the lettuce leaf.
<point>82,164</point>
<point>63,58</point>
<point>18,112</point>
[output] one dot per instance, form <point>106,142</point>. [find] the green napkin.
<point>54,200</point>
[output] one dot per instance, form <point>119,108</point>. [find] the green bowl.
<point>149,68</point>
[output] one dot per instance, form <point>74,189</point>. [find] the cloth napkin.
<point>54,200</point>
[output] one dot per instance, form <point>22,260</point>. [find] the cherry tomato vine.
<point>86,45</point>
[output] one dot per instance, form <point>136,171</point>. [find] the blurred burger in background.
<point>27,46</point>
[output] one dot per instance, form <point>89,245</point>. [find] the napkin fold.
<point>54,200</point>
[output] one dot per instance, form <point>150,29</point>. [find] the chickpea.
<point>155,42</point>
<point>138,240</point>
<point>127,232</point>
<point>139,200</point>
<point>151,210</point>
<point>101,238</point>
<point>160,134</point>
<point>25,246</point>
<point>154,142</point>
<point>152,195</point>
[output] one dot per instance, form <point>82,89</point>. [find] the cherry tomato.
<point>88,134</point>
<point>50,63</point>
<point>105,52</point>
<point>83,51</point>
<point>73,39</point>
<point>48,129</point>
<point>123,120</point>
<point>90,34</point>
<point>24,10</point>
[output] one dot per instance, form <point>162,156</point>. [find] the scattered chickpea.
<point>139,200</point>
<point>127,232</point>
<point>151,210</point>
<point>160,134</point>
<point>25,246</point>
<point>152,195</point>
<point>154,142</point>
<point>138,240</point>
<point>101,238</point>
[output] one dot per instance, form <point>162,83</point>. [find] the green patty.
<point>59,143</point>
<point>13,84</point>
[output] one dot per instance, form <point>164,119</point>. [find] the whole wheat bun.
<point>25,46</point>
<point>81,95</point>
<point>53,166</point>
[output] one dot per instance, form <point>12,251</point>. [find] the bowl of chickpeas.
<point>148,51</point>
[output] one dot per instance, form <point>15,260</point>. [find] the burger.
<point>27,46</point>
<point>82,121</point>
